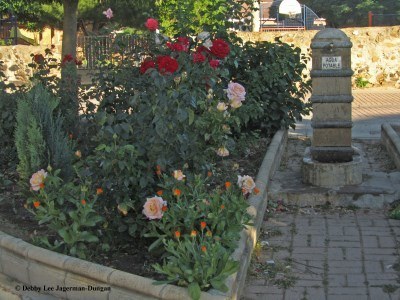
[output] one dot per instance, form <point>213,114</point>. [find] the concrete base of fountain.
<point>332,174</point>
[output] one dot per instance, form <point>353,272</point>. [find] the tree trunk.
<point>70,27</point>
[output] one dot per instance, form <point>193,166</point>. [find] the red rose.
<point>151,24</point>
<point>183,40</point>
<point>167,64</point>
<point>176,47</point>
<point>147,64</point>
<point>198,57</point>
<point>182,44</point>
<point>38,58</point>
<point>202,49</point>
<point>67,58</point>
<point>220,48</point>
<point>214,63</point>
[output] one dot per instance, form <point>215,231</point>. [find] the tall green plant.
<point>275,85</point>
<point>183,16</point>
<point>39,135</point>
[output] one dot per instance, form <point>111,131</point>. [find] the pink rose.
<point>37,180</point>
<point>153,208</point>
<point>151,24</point>
<point>236,92</point>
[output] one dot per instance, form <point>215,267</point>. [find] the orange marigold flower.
<point>36,204</point>
<point>203,248</point>
<point>177,192</point>
<point>222,206</point>
<point>227,184</point>
<point>41,185</point>
<point>83,201</point>
<point>193,233</point>
<point>160,192</point>
<point>209,174</point>
<point>256,191</point>
<point>158,170</point>
<point>203,224</point>
<point>177,234</point>
<point>208,233</point>
<point>99,191</point>
<point>164,208</point>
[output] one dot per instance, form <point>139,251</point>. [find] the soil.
<point>131,257</point>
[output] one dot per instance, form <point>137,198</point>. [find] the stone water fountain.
<point>331,161</point>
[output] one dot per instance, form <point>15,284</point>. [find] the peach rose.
<point>236,103</point>
<point>236,92</point>
<point>246,183</point>
<point>222,106</point>
<point>178,175</point>
<point>153,208</point>
<point>222,151</point>
<point>37,179</point>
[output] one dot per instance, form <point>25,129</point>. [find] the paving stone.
<point>382,276</point>
<point>352,231</point>
<point>356,280</point>
<point>386,242</point>
<point>347,297</point>
<point>337,280</point>
<point>294,293</point>
<point>309,283</point>
<point>308,250</point>
<point>315,293</point>
<point>255,296</point>
<point>387,259</point>
<point>335,254</point>
<point>378,293</point>
<point>347,264</point>
<point>345,238</point>
<point>258,289</point>
<point>377,231</point>
<point>370,242</point>
<point>373,267</point>
<point>345,270</point>
<point>347,291</point>
<point>346,244</point>
<point>353,254</point>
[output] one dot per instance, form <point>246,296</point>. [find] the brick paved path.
<point>376,103</point>
<point>333,254</point>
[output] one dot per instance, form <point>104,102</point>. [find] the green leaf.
<point>194,290</point>
<point>219,285</point>
<point>191,116</point>
<point>156,244</point>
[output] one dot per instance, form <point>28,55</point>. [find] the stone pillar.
<point>331,97</point>
<point>331,161</point>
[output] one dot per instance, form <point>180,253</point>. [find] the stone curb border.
<point>391,140</point>
<point>38,267</point>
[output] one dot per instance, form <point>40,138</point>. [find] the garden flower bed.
<point>73,278</point>
<point>158,164</point>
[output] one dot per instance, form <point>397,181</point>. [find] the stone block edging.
<point>37,267</point>
<point>391,140</point>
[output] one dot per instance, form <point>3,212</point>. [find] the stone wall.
<point>375,52</point>
<point>15,60</point>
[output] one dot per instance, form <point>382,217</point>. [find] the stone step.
<point>377,190</point>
